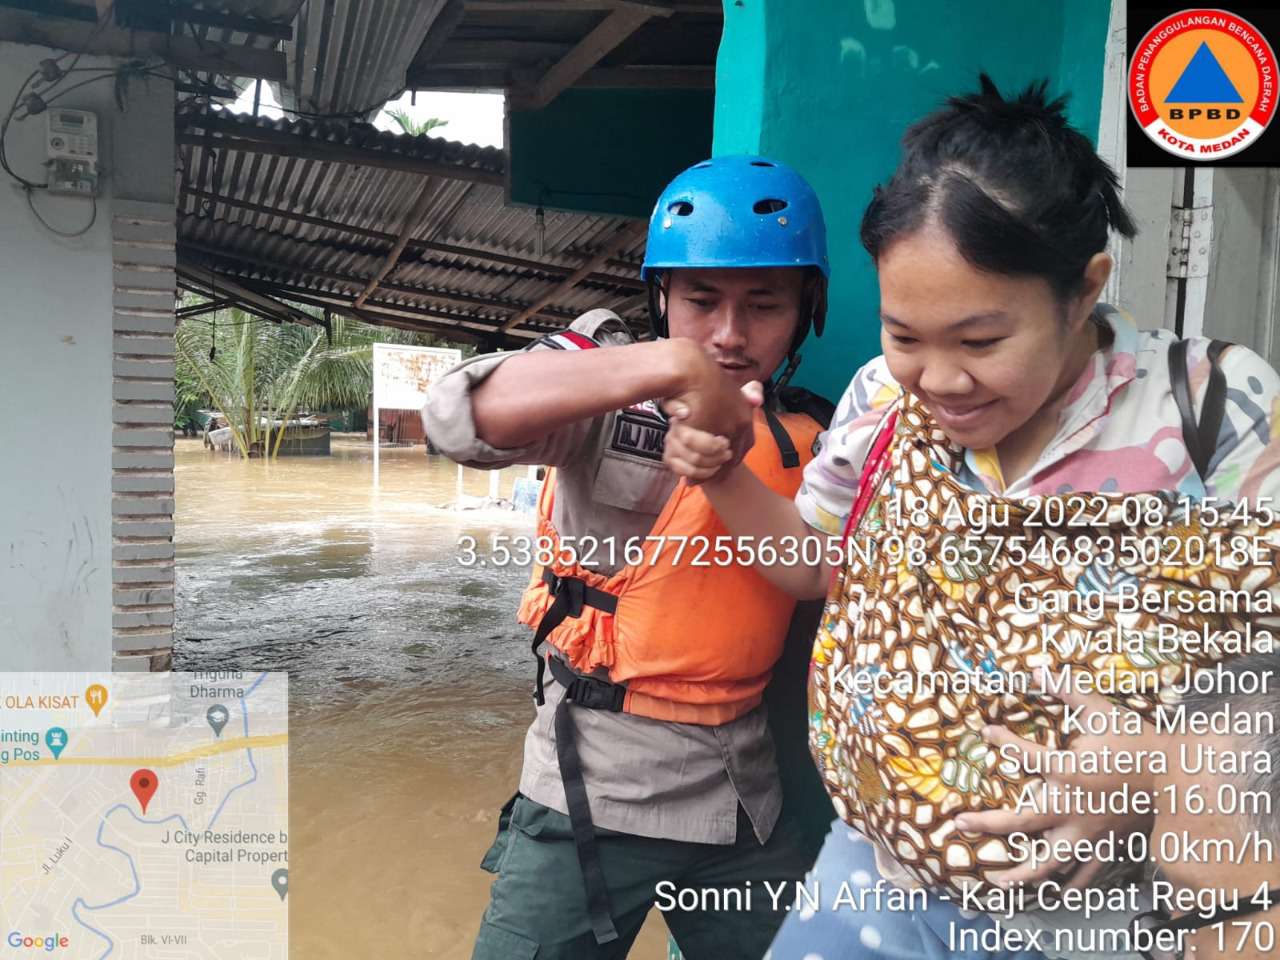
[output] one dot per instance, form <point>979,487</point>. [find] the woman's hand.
<point>695,454</point>
<point>1059,791</point>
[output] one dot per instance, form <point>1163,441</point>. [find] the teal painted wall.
<point>607,151</point>
<point>829,86</point>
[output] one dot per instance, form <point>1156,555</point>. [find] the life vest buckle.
<point>589,692</point>
<point>573,589</point>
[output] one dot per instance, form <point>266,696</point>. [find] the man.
<point>649,770</point>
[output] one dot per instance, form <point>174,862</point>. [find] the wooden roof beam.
<point>235,302</point>
<point>202,308</point>
<point>199,275</point>
<point>409,321</point>
<point>413,219</point>
<point>443,322</point>
<point>621,23</point>
<point>662,77</point>
<point>624,236</point>
<point>186,13</point>
<point>89,37</point>
<point>433,246</point>
<point>448,296</point>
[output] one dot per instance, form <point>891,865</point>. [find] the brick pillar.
<point>142,250</point>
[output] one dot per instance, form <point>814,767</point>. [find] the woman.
<point>1008,380</point>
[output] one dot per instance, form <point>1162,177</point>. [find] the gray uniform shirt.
<point>651,778</point>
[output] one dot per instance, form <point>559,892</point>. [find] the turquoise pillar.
<point>829,86</point>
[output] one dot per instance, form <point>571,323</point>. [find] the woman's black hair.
<point>1020,191</point>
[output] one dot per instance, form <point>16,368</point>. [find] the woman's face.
<point>983,351</point>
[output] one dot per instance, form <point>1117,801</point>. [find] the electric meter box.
<point>72,135</point>
<point>71,145</point>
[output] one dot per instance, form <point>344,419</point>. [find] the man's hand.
<point>699,455</point>
<point>711,403</point>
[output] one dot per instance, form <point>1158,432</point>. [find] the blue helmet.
<point>738,211</point>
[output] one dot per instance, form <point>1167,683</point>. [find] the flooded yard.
<point>410,680</point>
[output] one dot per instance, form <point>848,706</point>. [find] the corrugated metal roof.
<point>239,210</point>
<point>352,55</point>
<point>344,56</point>
<point>276,13</point>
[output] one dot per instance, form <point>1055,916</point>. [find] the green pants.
<point>537,908</point>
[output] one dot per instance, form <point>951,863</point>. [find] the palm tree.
<point>257,373</point>
<point>414,128</point>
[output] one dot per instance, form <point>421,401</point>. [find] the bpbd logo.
<point>1202,84</point>
<point>54,941</point>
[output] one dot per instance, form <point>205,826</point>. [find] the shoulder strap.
<point>800,400</point>
<point>786,449</point>
<point>795,400</point>
<point>1201,438</point>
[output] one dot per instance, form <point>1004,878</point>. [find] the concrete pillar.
<point>86,418</point>
<point>829,86</point>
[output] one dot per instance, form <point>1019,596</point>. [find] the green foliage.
<point>189,398</point>
<point>258,374</point>
<point>412,127</point>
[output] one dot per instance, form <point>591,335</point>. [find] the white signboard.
<point>401,378</point>
<point>401,375</point>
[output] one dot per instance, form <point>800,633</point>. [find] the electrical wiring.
<point>93,217</point>
<point>114,71</point>
<point>29,187</point>
<point>61,74</point>
<point>4,129</point>
<point>103,19</point>
<point>138,68</point>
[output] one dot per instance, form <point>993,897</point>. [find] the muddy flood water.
<point>409,679</point>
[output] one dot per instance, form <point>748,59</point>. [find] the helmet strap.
<point>658,287</point>
<point>780,381</point>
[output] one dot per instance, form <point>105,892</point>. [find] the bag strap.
<point>1201,438</point>
<point>872,473</point>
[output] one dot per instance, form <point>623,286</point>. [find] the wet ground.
<point>409,678</point>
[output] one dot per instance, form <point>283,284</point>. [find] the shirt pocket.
<point>630,483</point>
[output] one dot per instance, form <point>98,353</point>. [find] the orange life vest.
<point>693,641</point>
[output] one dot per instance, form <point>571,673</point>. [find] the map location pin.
<point>217,717</point>
<point>280,880</point>
<point>143,784</point>
<point>96,697</point>
<point>56,739</point>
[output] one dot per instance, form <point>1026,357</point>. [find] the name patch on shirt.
<point>638,434</point>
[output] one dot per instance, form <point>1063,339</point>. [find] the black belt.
<point>571,595</point>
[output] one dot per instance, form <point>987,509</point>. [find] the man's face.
<point>1195,807</point>
<point>743,318</point>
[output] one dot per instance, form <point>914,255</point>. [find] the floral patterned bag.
<point>949,600</point>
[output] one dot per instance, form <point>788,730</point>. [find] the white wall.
<point>55,415</point>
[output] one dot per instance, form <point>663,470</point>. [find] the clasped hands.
<point>711,423</point>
